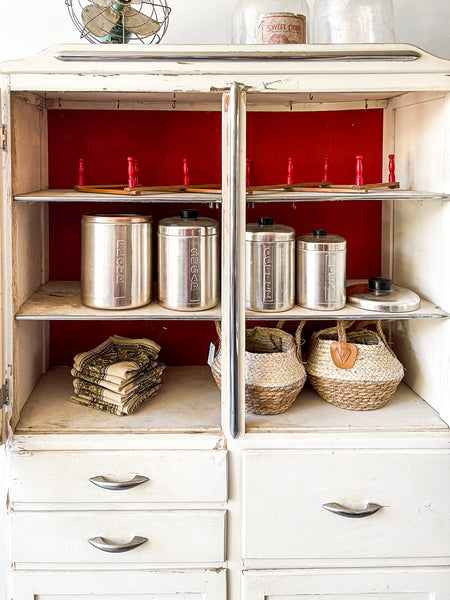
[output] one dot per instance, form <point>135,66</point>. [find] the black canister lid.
<point>265,221</point>
<point>379,285</point>
<point>189,214</point>
<point>319,232</point>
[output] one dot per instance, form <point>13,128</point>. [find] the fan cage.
<point>159,12</point>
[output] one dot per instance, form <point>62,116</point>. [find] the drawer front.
<point>120,584</point>
<point>185,536</point>
<point>285,491</point>
<point>355,584</point>
<point>173,476</point>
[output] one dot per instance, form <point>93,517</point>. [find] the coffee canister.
<point>321,270</point>
<point>116,260</point>
<point>270,266</point>
<point>188,262</point>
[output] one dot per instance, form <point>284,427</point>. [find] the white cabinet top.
<point>391,68</point>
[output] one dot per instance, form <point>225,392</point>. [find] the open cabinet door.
<point>4,387</point>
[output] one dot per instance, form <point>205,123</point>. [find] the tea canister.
<point>188,262</point>
<point>270,266</point>
<point>270,22</point>
<point>116,260</point>
<point>382,295</point>
<point>321,270</point>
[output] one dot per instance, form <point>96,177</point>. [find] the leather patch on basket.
<point>343,354</point>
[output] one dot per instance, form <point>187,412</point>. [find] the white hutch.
<point>232,508</point>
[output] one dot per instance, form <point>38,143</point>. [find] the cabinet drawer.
<point>173,476</point>
<point>285,491</point>
<point>185,536</point>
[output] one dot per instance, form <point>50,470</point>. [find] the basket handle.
<point>340,328</point>
<point>364,324</point>
<point>298,339</point>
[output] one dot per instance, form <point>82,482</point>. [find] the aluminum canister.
<point>270,260</point>
<point>321,270</point>
<point>116,260</point>
<point>188,262</point>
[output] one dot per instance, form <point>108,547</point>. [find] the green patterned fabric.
<point>118,375</point>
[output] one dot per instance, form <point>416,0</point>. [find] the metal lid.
<point>320,241</point>
<point>117,219</point>
<point>381,295</point>
<point>188,224</point>
<point>266,231</point>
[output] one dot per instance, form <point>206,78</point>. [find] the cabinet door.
<point>3,166</point>
<point>340,584</point>
<point>120,585</point>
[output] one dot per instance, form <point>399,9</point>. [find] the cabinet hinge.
<point>4,394</point>
<point>3,137</point>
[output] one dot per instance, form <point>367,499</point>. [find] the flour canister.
<point>188,262</point>
<point>116,260</point>
<point>321,270</point>
<point>270,266</point>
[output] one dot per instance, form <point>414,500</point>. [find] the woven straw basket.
<point>274,375</point>
<point>372,380</point>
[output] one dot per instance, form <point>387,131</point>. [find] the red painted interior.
<point>160,140</point>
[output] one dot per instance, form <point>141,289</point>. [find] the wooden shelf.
<point>406,411</point>
<point>154,197</point>
<point>265,196</point>
<point>60,300</point>
<point>427,310</point>
<point>187,402</point>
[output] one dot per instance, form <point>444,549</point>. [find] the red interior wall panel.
<point>160,140</point>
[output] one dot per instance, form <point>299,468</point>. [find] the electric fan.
<point>120,21</point>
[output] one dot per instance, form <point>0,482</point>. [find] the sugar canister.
<point>116,260</point>
<point>188,262</point>
<point>321,270</point>
<point>269,252</point>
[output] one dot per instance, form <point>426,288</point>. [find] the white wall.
<point>28,26</point>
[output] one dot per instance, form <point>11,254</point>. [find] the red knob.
<point>130,172</point>
<point>290,171</point>
<point>325,169</point>
<point>185,172</point>
<point>81,171</point>
<point>391,168</point>
<point>359,170</point>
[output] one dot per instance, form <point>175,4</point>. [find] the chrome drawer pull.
<point>107,546</point>
<point>352,513</point>
<point>107,484</point>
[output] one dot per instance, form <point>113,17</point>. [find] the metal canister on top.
<point>321,270</point>
<point>270,265</point>
<point>116,260</point>
<point>188,262</point>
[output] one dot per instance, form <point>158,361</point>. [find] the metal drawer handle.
<point>352,513</point>
<point>107,484</point>
<point>107,546</point>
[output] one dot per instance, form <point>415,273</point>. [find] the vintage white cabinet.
<point>219,504</point>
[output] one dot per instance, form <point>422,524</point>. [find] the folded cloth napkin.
<point>118,357</point>
<point>153,370</point>
<point>124,409</point>
<point>118,375</point>
<point>82,387</point>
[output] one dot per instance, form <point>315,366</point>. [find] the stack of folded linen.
<point>118,375</point>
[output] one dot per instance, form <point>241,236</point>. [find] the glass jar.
<point>353,21</point>
<point>270,22</point>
